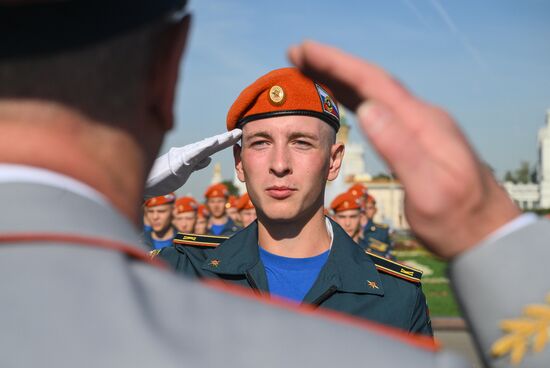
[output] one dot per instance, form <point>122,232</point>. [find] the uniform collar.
<point>348,268</point>
<point>16,173</point>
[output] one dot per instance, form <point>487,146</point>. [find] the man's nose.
<point>280,163</point>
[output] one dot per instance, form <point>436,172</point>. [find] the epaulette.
<point>381,226</point>
<point>199,240</point>
<point>396,269</point>
<point>378,245</point>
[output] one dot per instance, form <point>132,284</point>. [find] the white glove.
<point>171,170</point>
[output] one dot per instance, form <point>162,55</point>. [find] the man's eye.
<point>303,144</point>
<point>258,143</point>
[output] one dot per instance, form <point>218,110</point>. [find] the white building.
<point>535,195</point>
<point>543,168</point>
<point>526,196</point>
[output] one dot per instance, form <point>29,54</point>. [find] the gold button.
<point>277,95</point>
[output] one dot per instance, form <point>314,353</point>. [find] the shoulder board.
<point>379,243</point>
<point>381,226</point>
<point>199,240</point>
<point>396,269</point>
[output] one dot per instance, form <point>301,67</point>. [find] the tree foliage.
<point>524,174</point>
<point>233,190</point>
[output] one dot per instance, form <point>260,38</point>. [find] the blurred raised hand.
<point>452,200</point>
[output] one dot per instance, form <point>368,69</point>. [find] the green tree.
<point>523,174</point>
<point>509,177</point>
<point>381,176</point>
<point>233,190</point>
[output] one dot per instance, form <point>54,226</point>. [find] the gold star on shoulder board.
<point>531,331</point>
<point>372,284</point>
<point>214,263</point>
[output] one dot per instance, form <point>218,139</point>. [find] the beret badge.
<point>277,95</point>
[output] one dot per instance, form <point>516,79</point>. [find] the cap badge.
<point>277,95</point>
<point>328,105</point>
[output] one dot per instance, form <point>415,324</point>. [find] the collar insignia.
<point>372,284</point>
<point>214,263</point>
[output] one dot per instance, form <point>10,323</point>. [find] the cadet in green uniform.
<point>293,251</point>
<point>375,237</point>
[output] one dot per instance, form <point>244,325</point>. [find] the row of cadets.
<point>354,210</point>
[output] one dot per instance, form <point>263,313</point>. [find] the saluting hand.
<point>171,170</point>
<point>452,200</point>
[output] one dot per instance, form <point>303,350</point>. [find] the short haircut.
<point>104,81</point>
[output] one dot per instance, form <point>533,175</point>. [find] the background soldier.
<point>247,211</point>
<point>159,213</point>
<point>201,225</point>
<point>232,211</point>
<point>375,237</point>
<point>185,214</point>
<point>347,213</point>
<point>219,223</point>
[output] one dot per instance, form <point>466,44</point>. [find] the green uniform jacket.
<point>349,281</point>
<point>376,238</point>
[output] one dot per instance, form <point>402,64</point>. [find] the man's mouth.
<point>280,192</point>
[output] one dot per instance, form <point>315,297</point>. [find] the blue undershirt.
<point>291,278</point>
<point>217,229</point>
<point>159,244</point>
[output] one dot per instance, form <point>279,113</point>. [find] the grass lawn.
<point>435,284</point>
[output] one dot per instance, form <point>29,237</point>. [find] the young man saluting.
<point>293,251</point>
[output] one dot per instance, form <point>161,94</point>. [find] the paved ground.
<point>453,335</point>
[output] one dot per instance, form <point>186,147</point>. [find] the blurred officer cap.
<point>33,27</point>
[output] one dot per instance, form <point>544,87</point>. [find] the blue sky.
<point>487,62</point>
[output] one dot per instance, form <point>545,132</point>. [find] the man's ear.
<point>336,156</point>
<point>238,162</point>
<point>167,57</point>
